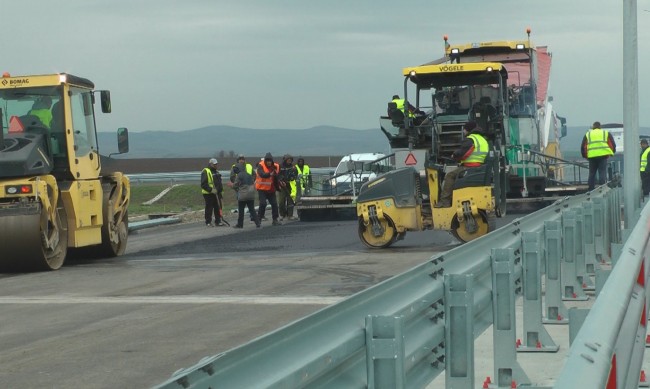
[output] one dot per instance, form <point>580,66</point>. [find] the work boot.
<point>276,223</point>
<point>443,204</point>
<point>237,226</point>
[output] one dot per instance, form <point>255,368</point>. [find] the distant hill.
<point>316,141</point>
<point>209,141</point>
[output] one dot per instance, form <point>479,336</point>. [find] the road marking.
<point>261,300</point>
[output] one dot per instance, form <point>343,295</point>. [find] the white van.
<point>336,192</point>
<point>355,169</point>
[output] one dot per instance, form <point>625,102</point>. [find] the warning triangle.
<point>410,160</point>
<point>15,125</point>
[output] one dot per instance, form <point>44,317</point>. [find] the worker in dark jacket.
<point>266,184</point>
<point>471,153</point>
<point>244,183</point>
<point>249,169</point>
<point>242,159</point>
<point>597,146</point>
<point>287,187</point>
<point>212,190</point>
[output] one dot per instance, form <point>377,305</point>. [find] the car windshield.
<point>347,165</point>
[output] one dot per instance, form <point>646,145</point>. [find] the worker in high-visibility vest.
<point>212,189</point>
<point>400,105</point>
<point>304,176</point>
<point>645,169</point>
<point>597,146</point>
<point>417,115</point>
<point>41,109</point>
<point>471,153</point>
<point>266,184</point>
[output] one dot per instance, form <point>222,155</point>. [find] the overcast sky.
<point>294,64</point>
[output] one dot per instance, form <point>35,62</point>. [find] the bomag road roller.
<point>396,202</point>
<point>53,196</point>
<point>423,142</point>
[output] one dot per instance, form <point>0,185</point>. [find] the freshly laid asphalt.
<point>186,291</point>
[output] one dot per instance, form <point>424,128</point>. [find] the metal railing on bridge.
<point>407,330</point>
<point>183,177</point>
<point>608,350</point>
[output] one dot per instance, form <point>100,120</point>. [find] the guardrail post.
<point>556,312</point>
<point>616,252</point>
<point>536,338</point>
<point>577,318</point>
<point>506,368</point>
<point>600,234</point>
<point>601,279</point>
<point>617,217</point>
<point>581,267</point>
<point>571,287</point>
<point>646,267</point>
<point>459,330</point>
<point>385,352</point>
<point>616,222</point>
<point>629,350</point>
<point>625,233</point>
<point>588,236</point>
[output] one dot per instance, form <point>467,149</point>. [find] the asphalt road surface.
<point>181,293</point>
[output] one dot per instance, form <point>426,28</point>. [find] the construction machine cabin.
<point>53,196</point>
<point>516,107</point>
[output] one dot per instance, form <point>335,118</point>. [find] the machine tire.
<point>54,259</point>
<point>387,239</point>
<point>486,223</point>
<point>109,248</point>
<point>23,240</point>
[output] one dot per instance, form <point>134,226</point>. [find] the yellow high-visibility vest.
<point>480,149</point>
<point>303,175</point>
<point>210,180</point>
<point>597,145</point>
<point>644,158</point>
<point>400,106</point>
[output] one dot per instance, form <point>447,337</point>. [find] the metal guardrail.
<point>175,177</point>
<point>407,330</point>
<point>140,225</point>
<point>608,350</point>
